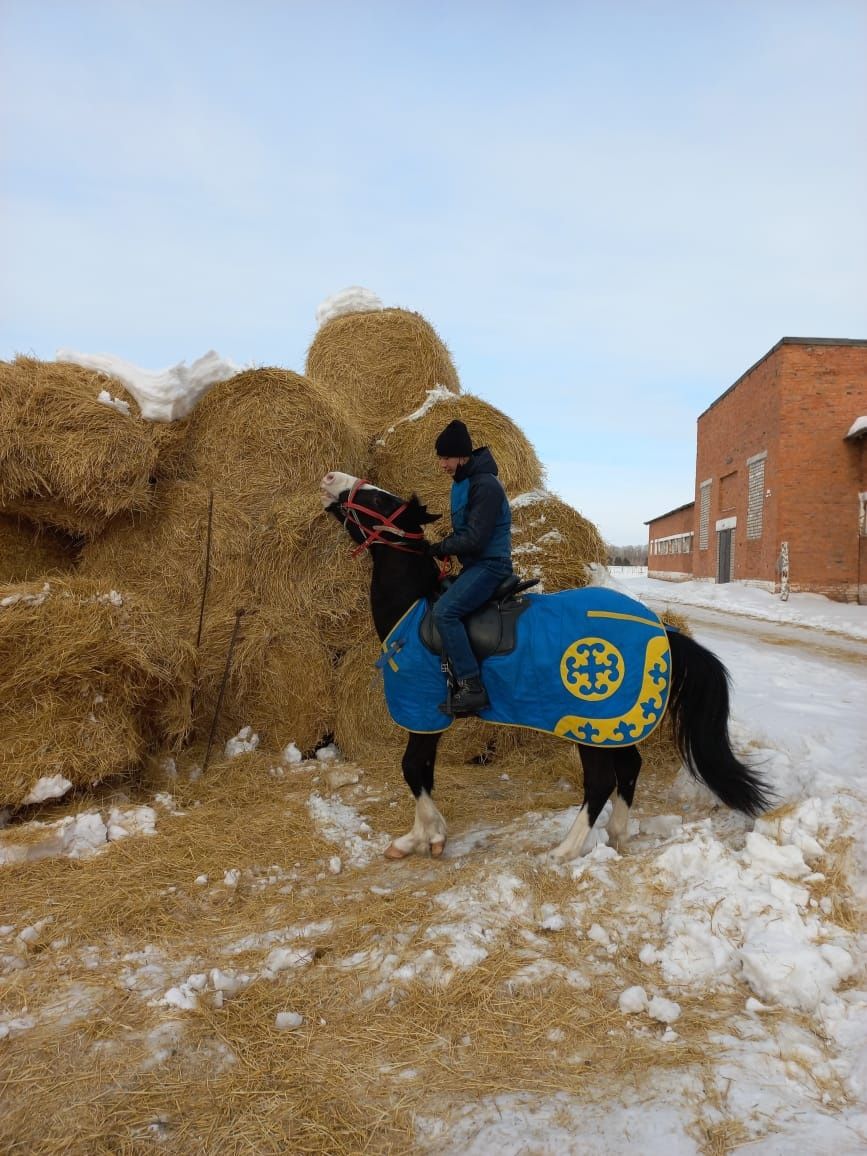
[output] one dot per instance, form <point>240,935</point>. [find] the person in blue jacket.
<point>481,539</point>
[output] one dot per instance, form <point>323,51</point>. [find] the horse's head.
<point>374,517</point>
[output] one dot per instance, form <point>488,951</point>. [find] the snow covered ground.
<point>755,927</point>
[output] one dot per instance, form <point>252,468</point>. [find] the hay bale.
<point>301,562</point>
<point>161,557</point>
<point>29,552</point>
<point>404,460</point>
<point>553,542</point>
<point>380,364</point>
<point>66,459</point>
<point>88,682</point>
<point>266,434</point>
<point>280,682</point>
<point>362,725</point>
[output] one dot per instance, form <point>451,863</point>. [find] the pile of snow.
<point>162,395</point>
<point>355,299</point>
<point>811,610</point>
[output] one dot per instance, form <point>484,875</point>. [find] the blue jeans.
<point>470,590</point>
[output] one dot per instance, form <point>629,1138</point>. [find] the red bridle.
<point>373,536</point>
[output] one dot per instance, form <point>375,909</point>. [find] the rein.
<point>374,536</point>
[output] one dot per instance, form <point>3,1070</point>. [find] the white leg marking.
<point>571,846</point>
<point>618,824</point>
<point>428,832</point>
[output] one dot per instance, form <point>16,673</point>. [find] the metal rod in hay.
<point>207,574</point>
<point>239,614</point>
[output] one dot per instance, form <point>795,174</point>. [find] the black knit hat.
<point>454,441</point>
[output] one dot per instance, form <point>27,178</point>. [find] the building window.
<point>755,495</point>
<point>673,544</point>
<point>704,515</point>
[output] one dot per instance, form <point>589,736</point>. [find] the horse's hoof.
<point>392,851</point>
<point>436,849</point>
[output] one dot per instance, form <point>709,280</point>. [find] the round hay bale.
<point>301,560</point>
<point>553,542</point>
<point>162,557</point>
<point>404,460</point>
<point>89,681</point>
<point>29,552</point>
<point>67,459</point>
<point>280,679</point>
<point>380,364</point>
<point>266,434</point>
<point>362,725</point>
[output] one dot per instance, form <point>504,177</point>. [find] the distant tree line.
<point>627,555</point>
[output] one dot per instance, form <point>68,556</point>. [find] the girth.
<point>492,629</point>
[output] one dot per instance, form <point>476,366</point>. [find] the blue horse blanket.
<point>591,665</point>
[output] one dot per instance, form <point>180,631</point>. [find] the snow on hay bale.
<point>404,459</point>
<point>266,433</point>
<point>88,682</point>
<point>551,541</point>
<point>280,680</point>
<point>380,363</point>
<point>74,452</point>
<point>29,551</point>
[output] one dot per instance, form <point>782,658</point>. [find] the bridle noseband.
<point>374,535</point>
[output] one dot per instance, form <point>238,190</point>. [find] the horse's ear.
<point>420,512</point>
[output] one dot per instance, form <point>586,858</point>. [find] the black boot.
<point>470,697</point>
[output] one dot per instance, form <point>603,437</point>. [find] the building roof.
<point>676,510</point>
<point>785,341</point>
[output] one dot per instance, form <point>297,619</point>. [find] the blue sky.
<point>609,210</point>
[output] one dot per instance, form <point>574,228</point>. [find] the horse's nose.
<point>328,479</point>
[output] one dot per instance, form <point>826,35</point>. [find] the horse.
<point>391,530</point>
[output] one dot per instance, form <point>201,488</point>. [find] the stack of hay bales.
<point>67,459</point>
<point>404,397</point>
<point>192,522</point>
<point>236,532</point>
<point>88,682</point>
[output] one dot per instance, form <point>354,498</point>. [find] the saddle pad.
<point>592,666</point>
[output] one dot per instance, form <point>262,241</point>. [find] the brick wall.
<point>821,475</point>
<point>671,544</point>
<point>783,424</point>
<point>742,424</point>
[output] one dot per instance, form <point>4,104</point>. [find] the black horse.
<point>391,528</point>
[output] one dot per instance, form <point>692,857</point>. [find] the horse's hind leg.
<point>626,768</point>
<point>428,832</point>
<point>600,780</point>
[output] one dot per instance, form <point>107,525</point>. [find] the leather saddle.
<point>492,629</point>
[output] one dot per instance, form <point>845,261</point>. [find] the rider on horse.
<point>481,539</point>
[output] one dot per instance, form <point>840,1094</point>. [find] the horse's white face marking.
<point>334,484</point>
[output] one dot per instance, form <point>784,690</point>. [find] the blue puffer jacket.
<point>481,517</point>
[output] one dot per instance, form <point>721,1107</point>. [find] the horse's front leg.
<point>429,829</point>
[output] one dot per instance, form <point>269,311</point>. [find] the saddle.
<point>492,629</point>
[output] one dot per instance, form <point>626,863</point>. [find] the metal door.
<point>724,555</point>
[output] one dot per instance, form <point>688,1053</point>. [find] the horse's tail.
<point>699,706</point>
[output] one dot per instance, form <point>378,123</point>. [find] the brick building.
<point>781,477</point>
<point>669,551</point>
